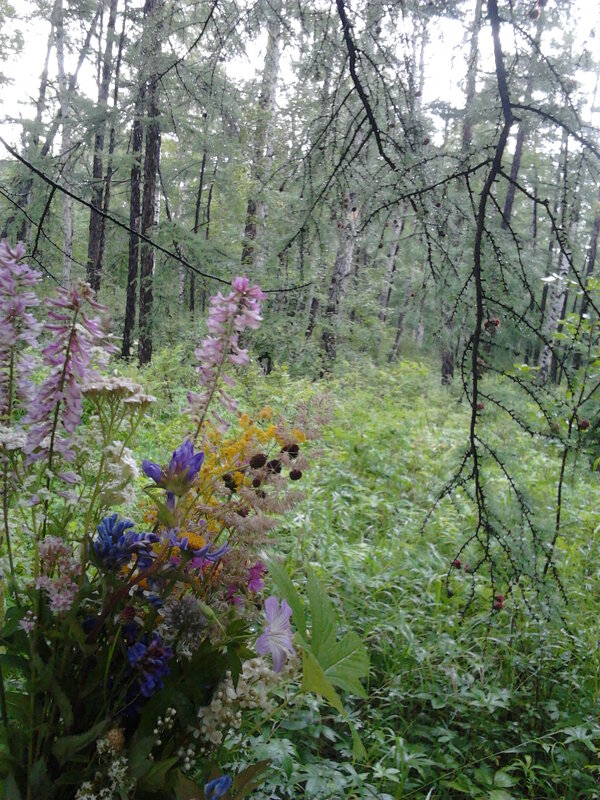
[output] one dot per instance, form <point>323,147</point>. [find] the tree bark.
<point>137,139</point>
<point>65,112</point>
<point>94,265</point>
<point>467,131</point>
<point>342,269</point>
<point>253,250</point>
<point>153,10</point>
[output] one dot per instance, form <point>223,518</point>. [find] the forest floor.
<point>463,700</point>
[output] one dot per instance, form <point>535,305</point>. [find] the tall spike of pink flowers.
<point>57,403</point>
<point>228,316</point>
<point>19,329</point>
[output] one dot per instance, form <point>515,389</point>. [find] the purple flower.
<point>182,471</point>
<point>255,579</point>
<point>150,661</point>
<point>232,595</point>
<point>217,788</point>
<point>277,638</point>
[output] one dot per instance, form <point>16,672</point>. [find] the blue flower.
<point>116,543</point>
<point>217,788</point>
<point>182,471</point>
<point>150,661</point>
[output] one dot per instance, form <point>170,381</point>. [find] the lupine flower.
<point>277,637</point>
<point>150,661</point>
<point>255,577</point>
<point>228,316</point>
<point>59,569</point>
<point>217,788</point>
<point>182,471</point>
<point>68,355</point>
<point>115,544</point>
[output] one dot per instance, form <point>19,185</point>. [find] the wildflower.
<point>150,660</point>
<point>116,544</point>
<point>217,788</point>
<point>277,637</point>
<point>232,595</point>
<point>255,579</point>
<point>228,316</point>
<point>182,471</point>
<point>68,356</point>
<point>183,620</point>
<point>58,572</point>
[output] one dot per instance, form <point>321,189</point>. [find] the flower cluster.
<point>59,573</point>
<point>228,316</point>
<point>141,635</point>
<point>68,357</point>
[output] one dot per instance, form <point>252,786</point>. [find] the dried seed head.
<point>258,460</point>
<point>295,474</point>
<point>274,465</point>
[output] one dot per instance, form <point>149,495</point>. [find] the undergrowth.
<point>465,701</point>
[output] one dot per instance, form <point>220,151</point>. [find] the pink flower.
<point>255,579</point>
<point>277,638</point>
<point>228,316</point>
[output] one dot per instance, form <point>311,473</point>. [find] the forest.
<point>299,399</point>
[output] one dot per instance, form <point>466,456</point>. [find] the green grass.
<point>463,702</point>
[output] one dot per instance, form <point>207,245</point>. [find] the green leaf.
<point>315,680</point>
<point>10,790</point>
<point>345,663</point>
<point>65,747</point>
<point>156,778</point>
<point>38,779</point>
<point>322,615</point>
<point>138,760</point>
<point>289,593</point>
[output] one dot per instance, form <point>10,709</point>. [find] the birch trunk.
<point>65,113</point>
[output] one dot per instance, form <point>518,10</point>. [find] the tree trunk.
<point>556,306</point>
<point>65,112</point>
<point>253,250</point>
<point>591,263</point>
<point>467,131</point>
<point>111,144</point>
<point>342,269</point>
<point>152,11</point>
<point>94,266</point>
<point>137,138</point>
<point>391,261</point>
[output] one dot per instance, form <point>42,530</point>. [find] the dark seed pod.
<point>291,449</point>
<point>295,474</point>
<point>260,493</point>
<point>230,482</point>
<point>256,482</point>
<point>258,460</point>
<point>243,512</point>
<point>274,465</point>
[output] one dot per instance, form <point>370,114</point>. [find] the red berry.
<point>584,424</point>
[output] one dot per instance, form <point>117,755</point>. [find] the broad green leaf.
<point>315,680</point>
<point>289,593</point>
<point>139,763</point>
<point>345,663</point>
<point>322,615</point>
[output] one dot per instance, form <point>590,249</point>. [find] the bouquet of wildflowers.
<point>130,647</point>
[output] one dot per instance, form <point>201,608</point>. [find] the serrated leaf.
<point>345,663</point>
